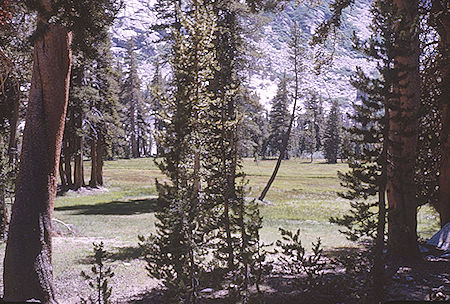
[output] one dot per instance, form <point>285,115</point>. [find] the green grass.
<point>302,196</point>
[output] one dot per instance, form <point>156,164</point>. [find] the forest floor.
<point>302,196</point>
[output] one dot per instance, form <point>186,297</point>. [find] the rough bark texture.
<point>378,262</point>
<point>134,138</point>
<point>100,148</point>
<point>444,176</point>
<point>62,174</point>
<point>68,161</point>
<point>3,214</point>
<point>78,178</point>
<point>78,171</point>
<point>13,121</point>
<point>440,7</point>
<point>403,133</point>
<point>28,269</point>
<point>93,182</point>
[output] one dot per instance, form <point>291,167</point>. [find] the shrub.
<point>98,281</point>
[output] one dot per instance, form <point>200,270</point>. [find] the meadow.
<point>303,196</point>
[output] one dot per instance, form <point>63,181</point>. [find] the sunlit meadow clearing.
<point>303,196</point>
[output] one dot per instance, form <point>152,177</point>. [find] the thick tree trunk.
<point>403,133</point>
<point>134,139</point>
<point>78,176</point>
<point>93,182</point>
<point>227,199</point>
<point>62,174</point>
<point>68,162</point>
<point>99,155</point>
<point>28,271</point>
<point>440,8</point>
<point>13,121</point>
<point>78,171</point>
<point>444,170</point>
<point>378,262</point>
<point>3,214</point>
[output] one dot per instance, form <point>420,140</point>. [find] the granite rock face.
<point>441,240</point>
<point>271,39</point>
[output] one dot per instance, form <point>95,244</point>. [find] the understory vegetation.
<point>303,197</point>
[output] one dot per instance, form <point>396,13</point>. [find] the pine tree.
<point>403,132</point>
<point>332,134</point>
<point>28,252</point>
<point>75,133</point>
<point>103,111</point>
<point>156,89</point>
<point>237,242</point>
<point>15,66</point>
<point>253,126</point>
<point>402,153</point>
<point>369,170</point>
<point>279,118</point>
<point>439,19</point>
<point>132,100</point>
<point>296,52</point>
<point>314,120</point>
<point>203,208</point>
<point>176,252</point>
<point>430,124</point>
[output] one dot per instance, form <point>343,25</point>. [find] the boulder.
<point>441,240</point>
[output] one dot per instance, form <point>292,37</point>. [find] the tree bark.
<point>78,170</point>
<point>444,170</point>
<point>62,174</point>
<point>28,271</point>
<point>68,161</point>
<point>13,121</point>
<point>78,178</point>
<point>403,133</point>
<point>378,261</point>
<point>93,182</point>
<point>3,214</point>
<point>99,155</point>
<point>440,9</point>
<point>134,139</point>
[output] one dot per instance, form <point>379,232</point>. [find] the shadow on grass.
<point>123,254</point>
<point>337,285</point>
<point>130,207</point>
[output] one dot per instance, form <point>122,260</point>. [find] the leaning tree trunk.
<point>285,142</point>
<point>403,133</point>
<point>440,9</point>
<point>28,271</point>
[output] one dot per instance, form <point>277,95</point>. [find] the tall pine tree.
<point>279,118</point>
<point>332,134</point>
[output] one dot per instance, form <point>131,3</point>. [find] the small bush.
<point>98,281</point>
<point>295,261</point>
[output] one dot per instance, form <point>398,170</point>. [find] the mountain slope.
<point>333,82</point>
